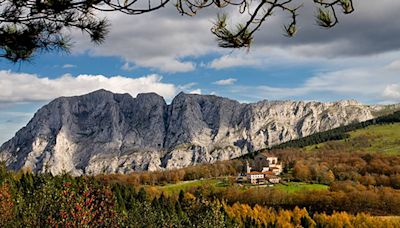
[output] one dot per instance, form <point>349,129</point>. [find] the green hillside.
<point>382,138</point>
<point>381,134</point>
<point>340,132</point>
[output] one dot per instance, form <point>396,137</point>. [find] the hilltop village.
<point>264,169</point>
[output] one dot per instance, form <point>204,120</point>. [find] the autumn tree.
<point>6,205</point>
<point>86,206</point>
<point>29,26</point>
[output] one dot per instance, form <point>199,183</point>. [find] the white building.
<point>268,162</point>
<point>257,177</point>
<point>266,170</point>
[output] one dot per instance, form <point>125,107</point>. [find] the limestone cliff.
<point>116,133</point>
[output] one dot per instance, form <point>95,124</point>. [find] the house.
<point>267,162</point>
<point>273,179</point>
<point>255,177</point>
<point>266,169</point>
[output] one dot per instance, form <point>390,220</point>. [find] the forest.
<point>363,192</point>
<point>42,200</point>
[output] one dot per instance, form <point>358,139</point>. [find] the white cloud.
<point>128,67</point>
<point>263,58</point>
<point>238,60</point>
<point>395,65</point>
<point>68,66</point>
<point>159,40</point>
<point>166,64</point>
<point>375,84</point>
<point>188,86</point>
<point>392,92</point>
<point>228,81</point>
<point>196,91</point>
<point>17,87</point>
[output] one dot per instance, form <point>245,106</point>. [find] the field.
<point>384,139</point>
<point>220,183</point>
<point>171,189</point>
<point>300,186</point>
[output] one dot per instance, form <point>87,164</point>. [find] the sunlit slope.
<point>382,138</point>
<point>379,135</point>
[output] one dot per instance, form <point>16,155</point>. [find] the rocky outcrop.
<point>115,133</point>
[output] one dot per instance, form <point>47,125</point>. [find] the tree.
<point>30,26</point>
<point>6,205</point>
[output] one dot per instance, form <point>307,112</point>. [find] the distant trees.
<point>327,166</point>
<point>226,168</point>
<point>342,196</point>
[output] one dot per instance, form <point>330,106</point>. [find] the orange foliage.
<point>6,205</point>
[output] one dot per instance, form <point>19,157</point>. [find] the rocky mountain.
<point>116,133</point>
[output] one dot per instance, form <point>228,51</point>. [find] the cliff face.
<point>105,132</point>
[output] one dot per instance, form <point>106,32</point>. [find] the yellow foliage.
<point>189,196</point>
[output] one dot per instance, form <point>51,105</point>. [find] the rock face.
<point>102,132</point>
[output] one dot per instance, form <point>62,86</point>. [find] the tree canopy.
<point>30,26</point>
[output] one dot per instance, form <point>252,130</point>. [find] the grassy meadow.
<point>383,139</point>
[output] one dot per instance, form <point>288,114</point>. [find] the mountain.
<point>116,133</point>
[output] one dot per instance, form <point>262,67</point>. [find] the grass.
<point>293,187</point>
<point>220,183</point>
<point>384,139</point>
<point>185,185</point>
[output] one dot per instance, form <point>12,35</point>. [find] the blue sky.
<point>359,59</point>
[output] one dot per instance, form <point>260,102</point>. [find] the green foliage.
<point>324,18</point>
<point>27,27</point>
<point>382,139</point>
<point>293,187</point>
<point>176,188</point>
<point>226,38</point>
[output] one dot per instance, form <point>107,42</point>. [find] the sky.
<point>167,53</point>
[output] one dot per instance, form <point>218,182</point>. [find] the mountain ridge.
<point>107,132</point>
